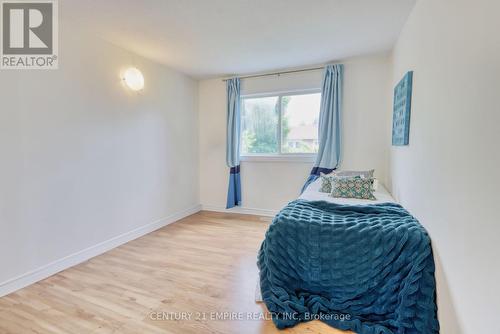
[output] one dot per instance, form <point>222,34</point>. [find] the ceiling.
<point>208,38</point>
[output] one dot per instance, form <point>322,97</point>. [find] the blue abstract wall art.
<point>402,110</point>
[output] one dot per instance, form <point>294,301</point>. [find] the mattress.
<point>312,193</point>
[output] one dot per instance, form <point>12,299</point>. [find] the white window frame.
<point>280,156</point>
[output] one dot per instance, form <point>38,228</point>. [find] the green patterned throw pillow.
<point>326,184</point>
<point>352,188</point>
<point>326,181</point>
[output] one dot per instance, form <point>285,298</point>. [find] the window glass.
<point>281,124</point>
<point>299,123</point>
<point>259,132</point>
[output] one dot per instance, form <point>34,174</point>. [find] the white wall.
<point>270,185</point>
<point>83,159</point>
<point>448,175</point>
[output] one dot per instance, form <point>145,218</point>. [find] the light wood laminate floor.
<point>203,264</point>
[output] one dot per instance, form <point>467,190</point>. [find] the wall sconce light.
<point>133,79</point>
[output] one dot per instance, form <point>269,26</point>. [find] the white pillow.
<point>364,173</point>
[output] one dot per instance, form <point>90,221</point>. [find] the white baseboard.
<point>241,210</point>
<point>52,268</point>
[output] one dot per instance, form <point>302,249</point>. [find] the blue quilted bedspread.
<point>368,268</point>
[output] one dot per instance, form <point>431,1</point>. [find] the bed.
<point>360,265</point>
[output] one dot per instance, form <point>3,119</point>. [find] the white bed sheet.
<point>312,193</point>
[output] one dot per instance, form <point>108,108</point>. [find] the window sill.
<point>299,158</point>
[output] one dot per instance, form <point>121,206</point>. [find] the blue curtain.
<point>329,127</point>
<point>233,142</point>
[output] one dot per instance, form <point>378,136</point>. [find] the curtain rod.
<point>278,73</point>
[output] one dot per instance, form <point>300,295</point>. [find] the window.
<point>281,124</point>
